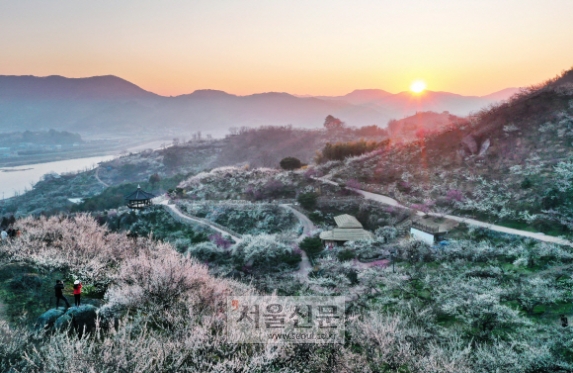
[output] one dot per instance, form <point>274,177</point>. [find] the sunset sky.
<point>326,47</point>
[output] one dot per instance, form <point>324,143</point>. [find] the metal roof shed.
<point>349,229</point>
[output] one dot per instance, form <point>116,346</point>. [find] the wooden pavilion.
<point>139,199</point>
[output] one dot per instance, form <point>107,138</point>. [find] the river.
<point>15,180</point>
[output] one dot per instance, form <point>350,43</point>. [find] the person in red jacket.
<point>77,292</point>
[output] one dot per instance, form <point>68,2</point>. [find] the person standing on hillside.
<point>3,235</point>
<point>77,292</point>
<point>59,288</point>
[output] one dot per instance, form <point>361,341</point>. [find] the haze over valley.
<point>108,106</point>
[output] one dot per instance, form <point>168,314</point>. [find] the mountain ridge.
<point>360,94</point>
<point>60,87</point>
<point>116,106</point>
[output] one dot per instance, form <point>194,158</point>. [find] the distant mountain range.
<point>108,105</point>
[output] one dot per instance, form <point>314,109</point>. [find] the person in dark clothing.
<point>59,288</point>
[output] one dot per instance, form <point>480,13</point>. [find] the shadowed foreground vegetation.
<point>483,304</point>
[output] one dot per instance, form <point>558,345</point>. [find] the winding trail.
<point>308,227</point>
<point>98,179</point>
<point>498,228</point>
<point>181,217</point>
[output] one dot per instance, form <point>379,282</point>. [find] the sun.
<point>418,86</point>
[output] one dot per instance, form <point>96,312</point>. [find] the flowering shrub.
<point>241,183</point>
<point>481,304</point>
<point>455,195</point>
<point>79,244</point>
<point>244,218</point>
<point>264,251</point>
<point>160,279</point>
<point>207,252</point>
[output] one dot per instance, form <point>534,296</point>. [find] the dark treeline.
<point>266,146</point>
<point>51,137</point>
<point>342,150</point>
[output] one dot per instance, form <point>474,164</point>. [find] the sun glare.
<point>418,86</point>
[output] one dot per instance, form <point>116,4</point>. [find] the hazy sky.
<point>304,47</point>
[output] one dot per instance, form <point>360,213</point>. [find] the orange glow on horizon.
<point>178,47</point>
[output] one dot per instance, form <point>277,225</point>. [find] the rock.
<point>47,319</point>
<point>62,323</point>
<point>82,318</point>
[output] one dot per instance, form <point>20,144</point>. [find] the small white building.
<point>421,235</point>
<point>430,230</point>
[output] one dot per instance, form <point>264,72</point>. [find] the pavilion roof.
<point>139,195</point>
<point>347,221</point>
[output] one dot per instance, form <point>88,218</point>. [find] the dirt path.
<point>498,228</point>
<point>308,227</point>
<point>98,179</point>
<point>186,219</point>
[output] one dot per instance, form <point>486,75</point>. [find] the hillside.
<point>510,163</point>
<point>422,124</point>
<point>266,146</point>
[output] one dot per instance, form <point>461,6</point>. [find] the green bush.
<point>342,150</point>
<point>291,259</point>
<point>526,183</point>
<point>312,246</point>
<point>345,255</point>
<point>290,163</point>
<point>307,200</point>
<point>154,179</point>
<point>316,217</point>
